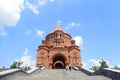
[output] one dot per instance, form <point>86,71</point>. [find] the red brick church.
<point>58,49</point>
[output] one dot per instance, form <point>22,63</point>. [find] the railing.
<point>86,71</point>
<point>110,73</point>
<point>12,72</point>
<point>113,74</point>
<point>75,68</point>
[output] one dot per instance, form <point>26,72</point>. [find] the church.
<point>58,50</point>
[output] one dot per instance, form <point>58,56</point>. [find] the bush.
<point>13,66</point>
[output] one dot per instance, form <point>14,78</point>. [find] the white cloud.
<point>9,13</point>
<point>72,24</point>
<point>10,10</point>
<point>78,41</point>
<point>118,66</point>
<point>96,62</point>
<point>39,32</point>
<point>32,7</point>
<point>84,64</point>
<point>36,4</point>
<point>52,0</point>
<point>27,59</point>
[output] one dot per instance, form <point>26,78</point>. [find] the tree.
<point>103,64</point>
<point>13,66</point>
<point>16,64</point>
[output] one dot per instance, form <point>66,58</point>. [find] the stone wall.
<point>86,71</point>
<point>5,75</point>
<point>13,74</point>
<point>3,69</point>
<point>107,72</point>
<point>110,73</point>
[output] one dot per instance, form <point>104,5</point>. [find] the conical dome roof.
<point>58,28</point>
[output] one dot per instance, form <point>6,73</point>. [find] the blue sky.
<point>95,24</point>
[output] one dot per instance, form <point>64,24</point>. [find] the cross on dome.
<point>59,22</point>
<point>58,27</point>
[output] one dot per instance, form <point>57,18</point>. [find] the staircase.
<point>59,74</point>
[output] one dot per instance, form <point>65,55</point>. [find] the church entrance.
<point>58,62</point>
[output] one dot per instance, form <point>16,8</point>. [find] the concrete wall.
<point>86,71</point>
<point>14,74</point>
<point>110,73</point>
<point>107,72</point>
<point>6,75</point>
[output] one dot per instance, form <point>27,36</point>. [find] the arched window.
<point>75,57</point>
<point>42,57</point>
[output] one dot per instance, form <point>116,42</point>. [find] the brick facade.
<point>58,50</point>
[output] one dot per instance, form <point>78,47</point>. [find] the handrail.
<point>12,71</point>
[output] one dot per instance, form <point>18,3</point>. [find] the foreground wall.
<point>14,74</point>
<point>107,72</point>
<point>111,73</point>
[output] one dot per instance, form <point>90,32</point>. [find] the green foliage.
<point>13,66</point>
<point>104,64</point>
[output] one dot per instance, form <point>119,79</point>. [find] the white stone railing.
<point>5,75</point>
<point>86,70</point>
<point>42,68</point>
<point>7,72</point>
<point>32,70</point>
<point>75,68</point>
<point>110,73</point>
<point>11,72</point>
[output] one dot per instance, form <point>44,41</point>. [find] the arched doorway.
<point>58,62</point>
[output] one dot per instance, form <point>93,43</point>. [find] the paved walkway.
<point>58,74</point>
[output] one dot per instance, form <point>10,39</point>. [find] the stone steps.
<point>58,74</point>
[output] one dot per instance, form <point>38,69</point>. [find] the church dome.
<point>58,28</point>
